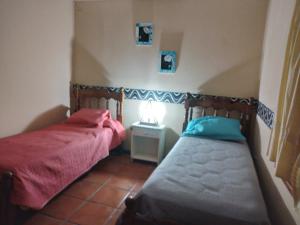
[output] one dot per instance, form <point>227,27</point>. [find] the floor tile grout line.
<point>110,217</point>
<point>118,206</point>
<point>67,219</point>
<point>84,201</point>
<point>92,194</point>
<point>130,191</point>
<point>89,200</point>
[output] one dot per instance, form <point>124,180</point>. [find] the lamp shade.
<point>151,113</point>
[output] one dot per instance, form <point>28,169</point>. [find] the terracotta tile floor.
<point>98,197</point>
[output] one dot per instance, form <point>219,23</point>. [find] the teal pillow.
<point>215,127</point>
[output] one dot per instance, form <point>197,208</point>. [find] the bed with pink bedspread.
<point>36,166</point>
<point>44,162</point>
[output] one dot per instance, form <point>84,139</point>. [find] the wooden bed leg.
<point>128,216</point>
<point>6,209</point>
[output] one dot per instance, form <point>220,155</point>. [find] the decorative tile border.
<point>143,94</point>
<point>162,96</point>
<point>83,87</point>
<point>266,114</point>
<point>154,95</point>
<point>248,101</point>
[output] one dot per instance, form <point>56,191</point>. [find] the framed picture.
<point>167,61</point>
<point>144,33</point>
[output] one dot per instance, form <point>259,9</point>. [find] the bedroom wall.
<point>35,63</point>
<point>279,199</point>
<point>218,45</point>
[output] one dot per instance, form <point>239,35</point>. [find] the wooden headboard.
<point>217,104</point>
<point>89,95</point>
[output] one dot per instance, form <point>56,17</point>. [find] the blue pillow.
<point>215,127</point>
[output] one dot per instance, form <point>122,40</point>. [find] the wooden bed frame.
<point>87,95</point>
<point>218,104</point>
<point>8,211</point>
<point>224,104</point>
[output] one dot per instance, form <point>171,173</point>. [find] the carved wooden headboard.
<point>89,95</point>
<point>217,104</point>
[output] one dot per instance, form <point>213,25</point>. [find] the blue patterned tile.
<point>83,87</point>
<point>266,114</point>
<point>162,96</point>
<point>154,95</point>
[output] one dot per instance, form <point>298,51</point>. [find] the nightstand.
<point>147,142</point>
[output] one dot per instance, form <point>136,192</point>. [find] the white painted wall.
<point>35,63</point>
<point>218,45</point>
<point>276,36</point>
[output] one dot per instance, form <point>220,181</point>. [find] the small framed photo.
<point>144,33</point>
<point>167,61</point>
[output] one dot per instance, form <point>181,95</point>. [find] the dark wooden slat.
<point>81,95</point>
<point>191,114</point>
<point>245,110</point>
<point>227,114</point>
<point>6,209</point>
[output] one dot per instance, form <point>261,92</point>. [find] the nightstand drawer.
<point>137,131</point>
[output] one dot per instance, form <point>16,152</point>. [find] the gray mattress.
<point>205,182</point>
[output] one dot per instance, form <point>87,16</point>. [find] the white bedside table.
<point>147,142</point>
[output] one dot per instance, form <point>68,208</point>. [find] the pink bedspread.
<point>44,162</point>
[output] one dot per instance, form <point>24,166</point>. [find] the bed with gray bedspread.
<point>205,182</point>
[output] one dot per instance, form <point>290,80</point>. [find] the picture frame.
<point>167,62</point>
<point>144,34</point>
